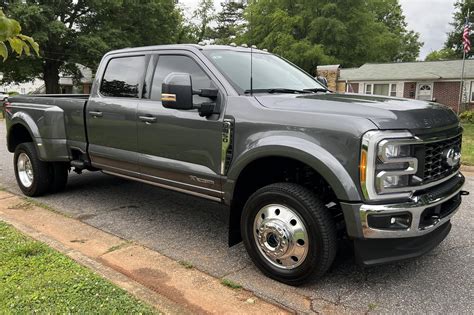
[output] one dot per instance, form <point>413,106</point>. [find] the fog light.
<point>398,221</point>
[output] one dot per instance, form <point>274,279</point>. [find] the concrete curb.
<point>467,168</point>
<point>151,277</point>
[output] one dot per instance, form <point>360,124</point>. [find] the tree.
<point>442,54</point>
<point>10,32</point>
<point>230,22</point>
<point>350,32</point>
<point>390,14</point>
<point>204,14</point>
<point>81,31</point>
<point>454,40</point>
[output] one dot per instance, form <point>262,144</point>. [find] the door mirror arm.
<point>209,93</point>
<point>206,109</point>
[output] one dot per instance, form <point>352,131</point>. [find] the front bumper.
<point>371,252</point>
<point>445,199</point>
<point>429,213</point>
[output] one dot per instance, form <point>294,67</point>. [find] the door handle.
<point>147,119</point>
<point>95,114</point>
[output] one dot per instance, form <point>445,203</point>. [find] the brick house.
<point>431,80</point>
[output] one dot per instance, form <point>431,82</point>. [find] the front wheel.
<point>32,174</point>
<point>288,233</point>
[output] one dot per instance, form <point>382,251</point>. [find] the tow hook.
<point>464,193</point>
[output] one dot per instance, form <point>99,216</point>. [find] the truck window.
<point>173,63</point>
<point>123,76</point>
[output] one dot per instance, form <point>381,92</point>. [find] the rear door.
<point>178,147</point>
<point>112,115</point>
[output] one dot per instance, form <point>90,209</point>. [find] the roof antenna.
<point>251,50</point>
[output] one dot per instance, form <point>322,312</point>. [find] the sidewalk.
<point>171,286</point>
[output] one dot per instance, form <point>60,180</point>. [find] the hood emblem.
<point>452,156</point>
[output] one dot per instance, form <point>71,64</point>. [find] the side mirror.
<point>322,80</point>
<point>177,91</point>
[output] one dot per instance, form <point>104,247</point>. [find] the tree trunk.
<point>51,76</point>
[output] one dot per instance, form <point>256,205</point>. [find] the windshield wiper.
<point>317,90</point>
<point>278,90</point>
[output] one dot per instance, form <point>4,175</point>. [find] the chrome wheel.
<point>281,236</point>
<point>25,170</point>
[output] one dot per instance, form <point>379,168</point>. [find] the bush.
<point>467,117</point>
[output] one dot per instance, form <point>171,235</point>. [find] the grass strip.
<point>37,279</point>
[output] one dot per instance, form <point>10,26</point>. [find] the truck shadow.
<point>194,230</point>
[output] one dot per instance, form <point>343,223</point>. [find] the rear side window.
<point>123,76</point>
<point>171,63</point>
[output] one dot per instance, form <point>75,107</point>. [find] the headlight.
<point>387,164</point>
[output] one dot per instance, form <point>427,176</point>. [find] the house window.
<point>385,89</point>
<point>368,89</point>
<point>381,89</point>
<point>472,91</point>
<point>393,89</point>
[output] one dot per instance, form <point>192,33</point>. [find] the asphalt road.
<point>194,230</point>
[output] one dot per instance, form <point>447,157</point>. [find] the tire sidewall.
<point>30,151</point>
<point>312,260</point>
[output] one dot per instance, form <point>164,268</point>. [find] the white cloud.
<point>431,19</point>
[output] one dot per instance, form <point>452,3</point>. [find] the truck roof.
<point>187,47</point>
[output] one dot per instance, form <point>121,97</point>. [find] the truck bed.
<point>58,117</point>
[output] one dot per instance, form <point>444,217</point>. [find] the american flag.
<point>465,37</point>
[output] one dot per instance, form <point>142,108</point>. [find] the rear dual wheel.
<point>288,233</point>
<point>35,177</point>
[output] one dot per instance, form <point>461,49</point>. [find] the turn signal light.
<point>363,166</point>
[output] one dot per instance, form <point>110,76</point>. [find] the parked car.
<point>298,166</point>
<point>3,97</point>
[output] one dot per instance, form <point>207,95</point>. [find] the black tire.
<point>59,173</point>
<point>320,227</point>
<point>41,172</point>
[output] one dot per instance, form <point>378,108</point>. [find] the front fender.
<point>304,151</point>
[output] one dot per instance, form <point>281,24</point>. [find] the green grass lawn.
<point>35,278</point>
<point>468,145</point>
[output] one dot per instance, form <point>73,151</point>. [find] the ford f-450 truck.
<point>299,167</point>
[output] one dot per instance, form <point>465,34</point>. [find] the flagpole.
<point>461,92</point>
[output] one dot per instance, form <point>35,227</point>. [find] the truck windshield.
<point>270,73</point>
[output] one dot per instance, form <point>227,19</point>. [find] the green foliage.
<point>321,31</point>
<point>10,31</point>
<point>468,144</point>
<point>80,31</point>
<point>204,14</point>
<point>36,279</point>
<point>442,54</point>
<point>230,284</point>
<point>230,22</point>
<point>454,40</point>
<point>467,117</point>
<point>186,264</point>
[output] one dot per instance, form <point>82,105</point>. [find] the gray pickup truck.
<point>301,168</point>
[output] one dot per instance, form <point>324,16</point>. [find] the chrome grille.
<point>435,167</point>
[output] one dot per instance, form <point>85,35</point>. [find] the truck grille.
<point>435,166</point>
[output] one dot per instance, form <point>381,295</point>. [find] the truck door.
<point>111,115</point>
<point>179,148</point>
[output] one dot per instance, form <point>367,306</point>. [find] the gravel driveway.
<point>194,230</point>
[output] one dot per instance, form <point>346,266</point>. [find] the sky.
<point>430,18</point>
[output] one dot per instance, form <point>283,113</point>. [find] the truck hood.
<point>384,112</point>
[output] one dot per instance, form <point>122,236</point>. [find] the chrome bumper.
<point>415,208</point>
